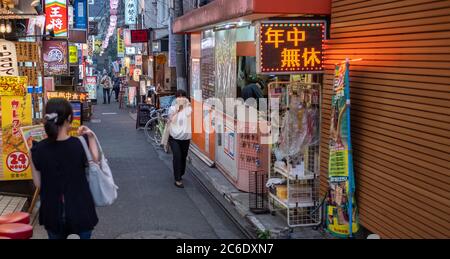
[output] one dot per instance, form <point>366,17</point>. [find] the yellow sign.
<point>120,44</point>
<point>161,59</point>
<point>13,85</point>
<point>73,54</point>
<point>16,162</point>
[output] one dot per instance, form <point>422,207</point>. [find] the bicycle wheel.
<point>150,129</point>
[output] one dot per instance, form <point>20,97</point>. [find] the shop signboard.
<point>55,54</point>
<point>127,37</point>
<point>73,54</point>
<point>120,43</point>
<point>139,36</point>
<point>130,51</point>
<point>76,120</point>
<point>56,14</point>
<point>70,96</point>
<point>341,209</point>
<point>131,12</point>
<point>8,59</point>
<point>138,60</point>
<point>290,47</point>
<point>81,16</point>
<point>16,108</point>
<point>91,87</point>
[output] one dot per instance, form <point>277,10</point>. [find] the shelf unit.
<point>299,197</point>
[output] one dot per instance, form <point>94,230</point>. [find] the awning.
<point>220,11</point>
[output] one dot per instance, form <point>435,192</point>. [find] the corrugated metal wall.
<point>400,112</point>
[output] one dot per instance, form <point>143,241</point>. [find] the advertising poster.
<point>91,87</point>
<point>55,54</point>
<point>16,113</point>
<point>8,61</point>
<point>342,219</point>
<point>56,14</point>
<point>32,133</point>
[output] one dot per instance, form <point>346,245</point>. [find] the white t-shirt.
<point>180,126</point>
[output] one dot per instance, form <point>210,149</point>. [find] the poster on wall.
<point>56,14</point>
<point>91,87</point>
<point>207,65</point>
<point>341,218</point>
<point>225,64</point>
<point>16,113</point>
<point>195,80</point>
<point>55,54</point>
<point>8,61</point>
<point>290,47</point>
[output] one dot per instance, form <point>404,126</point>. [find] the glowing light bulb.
<point>2,28</point>
<point>8,28</point>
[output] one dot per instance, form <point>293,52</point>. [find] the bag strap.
<point>86,148</point>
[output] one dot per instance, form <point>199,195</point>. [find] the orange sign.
<point>70,96</point>
<point>291,47</point>
<point>56,15</point>
<point>161,59</point>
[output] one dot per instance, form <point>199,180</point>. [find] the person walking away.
<point>180,134</point>
<point>58,165</point>
<point>106,85</point>
<point>116,87</point>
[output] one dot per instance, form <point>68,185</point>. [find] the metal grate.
<point>258,201</point>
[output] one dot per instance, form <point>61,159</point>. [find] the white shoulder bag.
<point>99,176</point>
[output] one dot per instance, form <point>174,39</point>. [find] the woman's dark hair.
<point>181,93</point>
<point>57,111</point>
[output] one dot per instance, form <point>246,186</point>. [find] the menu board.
<point>207,65</point>
<point>143,115</point>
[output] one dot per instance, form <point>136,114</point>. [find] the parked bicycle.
<point>154,128</point>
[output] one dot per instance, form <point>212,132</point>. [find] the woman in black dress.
<point>59,164</point>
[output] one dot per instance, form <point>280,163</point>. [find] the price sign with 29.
<point>17,161</point>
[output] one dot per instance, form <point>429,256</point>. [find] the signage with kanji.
<point>131,12</point>
<point>70,96</point>
<point>139,36</point>
<point>291,47</point>
<point>56,15</point>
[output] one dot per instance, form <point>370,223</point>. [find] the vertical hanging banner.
<point>56,14</point>
<point>131,12</point>
<point>8,59</point>
<point>91,87</point>
<point>16,113</point>
<point>120,43</point>
<point>55,55</point>
<point>341,210</point>
<point>81,16</point>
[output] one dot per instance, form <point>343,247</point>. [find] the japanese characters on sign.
<point>55,57</point>
<point>56,15</point>
<point>139,36</point>
<point>120,43</point>
<point>16,113</point>
<point>91,87</point>
<point>73,54</point>
<point>13,85</point>
<point>131,12</point>
<point>291,47</point>
<point>70,96</point>
<point>81,18</point>
<point>8,59</point>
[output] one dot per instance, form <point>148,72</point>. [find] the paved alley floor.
<point>149,205</point>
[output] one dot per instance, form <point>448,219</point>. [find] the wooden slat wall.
<point>400,112</point>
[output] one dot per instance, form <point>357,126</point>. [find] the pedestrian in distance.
<point>180,134</point>
<point>59,169</point>
<point>116,87</point>
<point>106,84</point>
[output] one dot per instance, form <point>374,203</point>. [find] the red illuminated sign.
<point>291,47</point>
<point>56,15</point>
<point>139,36</point>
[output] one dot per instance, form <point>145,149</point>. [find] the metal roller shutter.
<point>400,110</point>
